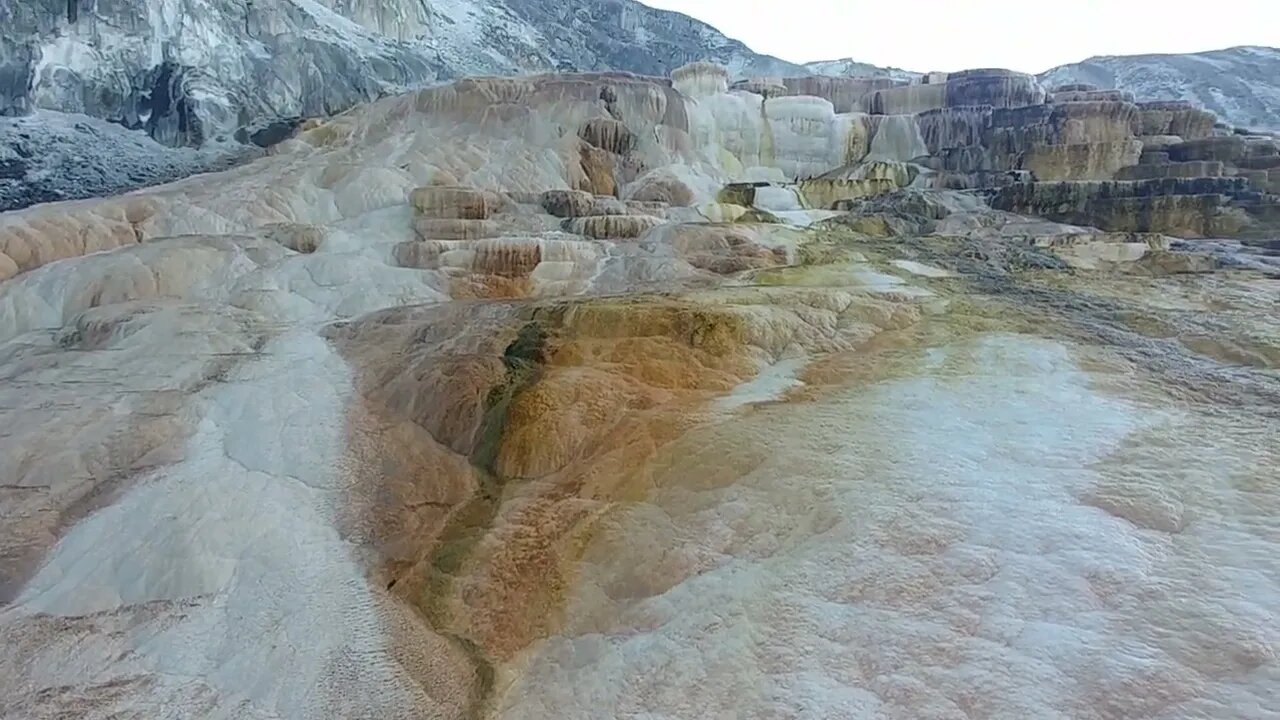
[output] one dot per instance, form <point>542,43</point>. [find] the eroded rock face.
<point>202,84</point>
<point>993,129</point>
<point>1197,207</point>
<point>997,88</point>
<point>1236,84</point>
<point>845,93</point>
<point>568,203</point>
<point>1178,118</point>
<point>593,395</point>
<point>227,65</point>
<point>50,156</point>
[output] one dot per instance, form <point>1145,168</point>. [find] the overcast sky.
<point>948,35</point>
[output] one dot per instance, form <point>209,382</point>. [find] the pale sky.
<point>948,35</point>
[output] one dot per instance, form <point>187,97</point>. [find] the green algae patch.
<point>743,194</point>
<point>469,525</point>
<point>830,275</point>
<point>851,275</point>
<point>758,217</point>
<point>712,328</point>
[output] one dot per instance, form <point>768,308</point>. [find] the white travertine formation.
<point>880,579</point>
<point>577,397</point>
<point>897,138</point>
<point>802,129</point>
<point>851,138</point>
<point>734,124</point>
<point>699,79</point>
<point>845,93</point>
<point>905,100</point>
<point>952,128</point>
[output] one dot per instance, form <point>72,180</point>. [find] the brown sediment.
<point>481,393</point>
<point>547,414</point>
<point>426,377</point>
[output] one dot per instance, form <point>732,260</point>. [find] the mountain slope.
<point>626,35</point>
<point>1240,84</point>
<point>189,71</point>
<point>848,67</point>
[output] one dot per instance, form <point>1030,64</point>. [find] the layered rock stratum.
<point>191,71</point>
<point>232,76</point>
<point>1240,84</point>
<point>603,395</point>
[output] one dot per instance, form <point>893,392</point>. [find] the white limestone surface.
<point>260,603</point>
<point>933,546</point>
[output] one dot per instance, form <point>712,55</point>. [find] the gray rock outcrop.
<point>49,156</point>
<point>191,71</point>
<point>1241,84</point>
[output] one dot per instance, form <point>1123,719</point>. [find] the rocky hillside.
<point>190,71</point>
<point>848,67</point>
<point>1240,84</point>
<point>222,74</point>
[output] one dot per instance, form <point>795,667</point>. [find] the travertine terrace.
<point>589,396</point>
